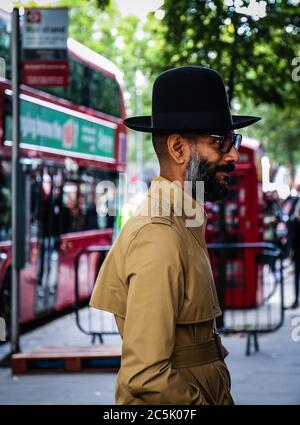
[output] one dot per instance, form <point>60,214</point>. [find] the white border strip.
<point>64,110</point>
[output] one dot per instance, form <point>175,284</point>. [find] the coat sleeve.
<point>156,289</point>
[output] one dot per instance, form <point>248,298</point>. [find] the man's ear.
<point>177,147</point>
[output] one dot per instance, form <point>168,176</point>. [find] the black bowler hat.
<point>189,98</point>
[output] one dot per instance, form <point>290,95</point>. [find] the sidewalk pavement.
<point>271,376</point>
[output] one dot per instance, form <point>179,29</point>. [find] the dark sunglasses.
<point>227,140</point>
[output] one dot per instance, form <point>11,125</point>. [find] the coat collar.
<point>172,200</point>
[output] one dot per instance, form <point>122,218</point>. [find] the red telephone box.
<point>244,212</point>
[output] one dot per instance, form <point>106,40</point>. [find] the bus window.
<point>45,219</point>
<point>96,206</point>
<point>70,219</point>
<point>75,91</point>
<point>84,205</point>
<point>5,42</point>
<point>5,200</point>
<point>104,94</point>
<point>87,205</point>
<point>36,178</point>
<point>90,88</point>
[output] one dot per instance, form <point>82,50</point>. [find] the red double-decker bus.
<point>72,139</point>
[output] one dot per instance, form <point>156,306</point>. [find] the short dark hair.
<point>159,141</point>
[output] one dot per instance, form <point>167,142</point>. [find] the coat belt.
<point>199,354</point>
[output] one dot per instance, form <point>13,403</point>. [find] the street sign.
<point>45,56</point>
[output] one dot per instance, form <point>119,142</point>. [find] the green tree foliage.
<point>254,55</point>
<point>279,131</point>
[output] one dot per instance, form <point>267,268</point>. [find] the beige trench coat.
<point>157,280</point>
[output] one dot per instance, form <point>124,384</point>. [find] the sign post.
<point>17,262</point>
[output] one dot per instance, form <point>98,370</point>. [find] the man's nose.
<point>232,156</point>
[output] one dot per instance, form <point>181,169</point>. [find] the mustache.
<point>227,168</point>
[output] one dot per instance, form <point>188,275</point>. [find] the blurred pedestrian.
<point>271,220</point>
<point>292,201</point>
<point>295,248</point>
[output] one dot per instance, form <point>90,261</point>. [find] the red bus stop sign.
<point>45,36</point>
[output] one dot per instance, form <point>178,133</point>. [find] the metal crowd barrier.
<point>92,322</point>
<point>250,289</point>
<point>263,313</point>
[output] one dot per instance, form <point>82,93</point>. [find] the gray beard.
<point>199,169</point>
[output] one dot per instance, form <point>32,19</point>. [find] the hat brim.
<point>145,124</point>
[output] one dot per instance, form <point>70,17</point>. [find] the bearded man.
<point>157,278</point>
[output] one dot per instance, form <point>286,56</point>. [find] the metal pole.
<point>15,54</point>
